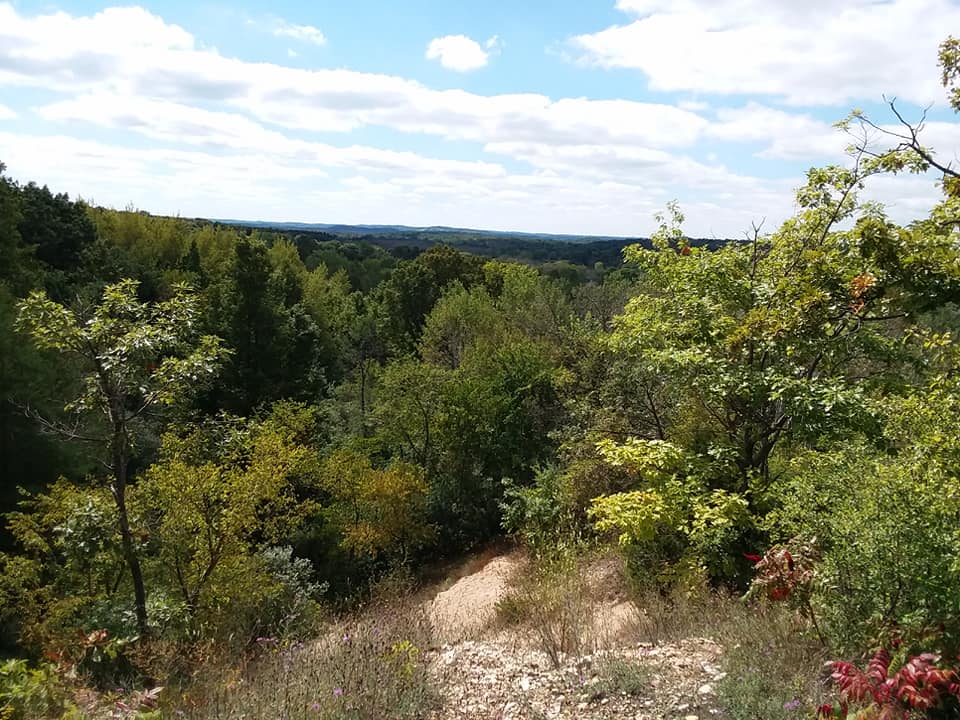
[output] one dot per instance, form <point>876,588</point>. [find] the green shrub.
<point>543,514</point>
<point>675,529</point>
<point>887,531</point>
<point>31,693</point>
<point>617,676</point>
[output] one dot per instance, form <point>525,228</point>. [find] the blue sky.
<point>573,117</point>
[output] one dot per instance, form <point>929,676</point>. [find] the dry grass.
<point>574,609</point>
<point>550,606</point>
<point>373,665</point>
<point>773,663</point>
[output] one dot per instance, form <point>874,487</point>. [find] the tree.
<point>415,286</point>
<point>16,265</point>
<point>377,511</point>
<point>771,338</point>
<point>455,324</point>
<point>56,231</point>
<point>410,400</point>
<point>221,491</point>
<point>134,357</point>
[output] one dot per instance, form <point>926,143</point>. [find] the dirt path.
<point>490,671</point>
<point>468,607</point>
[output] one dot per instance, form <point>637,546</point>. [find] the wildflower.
<point>792,704</point>
<point>314,707</point>
<point>337,692</point>
<point>752,558</point>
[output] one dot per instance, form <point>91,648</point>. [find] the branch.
<point>56,427</point>
<point>911,140</point>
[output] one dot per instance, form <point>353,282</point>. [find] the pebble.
<point>479,676</point>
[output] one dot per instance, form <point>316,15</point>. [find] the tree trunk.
<point>119,491</point>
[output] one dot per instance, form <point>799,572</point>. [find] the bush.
<point>281,602</point>
<point>886,528</point>
<point>31,693</point>
<point>551,605</point>
<point>370,666</point>
<point>616,676</point>
<point>543,514</point>
<point>675,529</point>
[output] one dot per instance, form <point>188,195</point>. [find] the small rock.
<point>705,690</point>
<point>525,684</point>
<point>691,717</point>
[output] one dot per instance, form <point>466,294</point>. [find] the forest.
<point>216,441</point>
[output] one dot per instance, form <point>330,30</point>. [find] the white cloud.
<point>787,136</point>
<point>234,138</point>
<point>812,52</point>
<point>166,64</point>
<point>6,113</point>
<point>304,33</point>
<point>693,105</point>
<point>221,132</point>
<point>460,53</point>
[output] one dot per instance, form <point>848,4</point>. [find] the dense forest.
<point>212,437</point>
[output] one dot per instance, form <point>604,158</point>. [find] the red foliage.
<point>917,686</point>
<point>781,574</point>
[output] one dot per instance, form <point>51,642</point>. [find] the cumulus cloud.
<point>812,52</point>
<point>304,33</point>
<point>226,134</point>
<point>460,53</point>
<point>6,113</point>
<point>166,63</point>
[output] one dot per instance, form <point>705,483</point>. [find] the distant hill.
<point>384,230</point>
<point>405,241</point>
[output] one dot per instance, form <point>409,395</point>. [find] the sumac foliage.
<point>919,686</point>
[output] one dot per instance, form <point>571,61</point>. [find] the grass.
<point>773,664</point>
<point>550,605</point>
<point>374,664</point>
<point>370,666</point>
<point>617,676</point>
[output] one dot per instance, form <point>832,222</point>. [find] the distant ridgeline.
<point>406,242</point>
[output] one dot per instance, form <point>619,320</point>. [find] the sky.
<point>563,116</point>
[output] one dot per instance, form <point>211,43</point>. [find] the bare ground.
<point>492,671</point>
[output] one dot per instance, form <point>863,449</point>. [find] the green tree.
<point>377,511</point>
<point>135,357</point>
<point>409,406</point>
<point>413,289</point>
<point>221,492</point>
<point>776,337</point>
<point>455,324</point>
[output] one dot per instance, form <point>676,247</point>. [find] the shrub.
<point>543,514</point>
<point>550,604</point>
<point>887,532</point>
<point>370,666</point>
<point>919,686</point>
<point>31,693</point>
<point>617,676</point>
<point>674,527</point>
